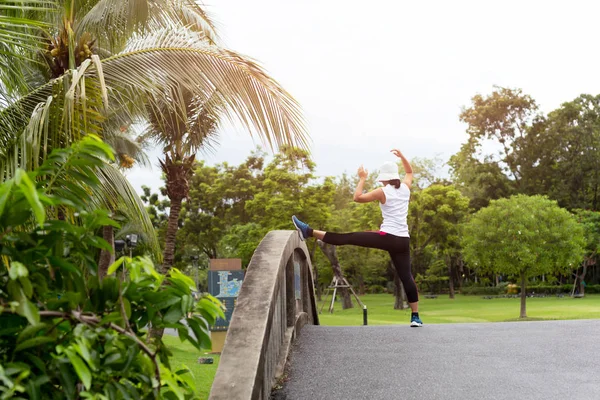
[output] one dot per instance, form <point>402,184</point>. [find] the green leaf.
<point>34,342</point>
<point>201,332</point>
<point>162,300</point>
<point>173,315</point>
<point>127,307</point>
<point>115,266</point>
<point>26,308</point>
<point>34,387</point>
<point>114,316</point>
<point>167,376</point>
<point>30,331</point>
<point>64,265</point>
<point>5,190</point>
<point>27,287</point>
<point>177,275</point>
<point>185,376</point>
<point>82,348</point>
<point>186,303</point>
<point>123,390</point>
<point>30,192</point>
<point>81,368</point>
<point>36,361</point>
<point>17,270</point>
<point>68,383</point>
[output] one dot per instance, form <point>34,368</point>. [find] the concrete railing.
<point>276,300</point>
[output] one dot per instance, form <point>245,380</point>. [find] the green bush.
<point>64,332</point>
<point>484,290</point>
<point>592,289</point>
<point>548,289</point>
<point>537,289</point>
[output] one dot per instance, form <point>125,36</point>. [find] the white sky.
<point>378,74</point>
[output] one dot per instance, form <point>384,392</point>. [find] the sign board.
<point>225,286</point>
<point>225,264</point>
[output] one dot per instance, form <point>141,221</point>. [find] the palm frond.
<point>84,175</point>
<point>22,24</point>
<point>113,21</point>
<point>189,128</point>
<point>151,68</point>
<point>180,58</point>
<point>193,15</point>
<point>116,193</point>
<point>54,115</point>
<point>126,146</point>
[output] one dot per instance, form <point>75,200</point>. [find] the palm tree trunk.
<point>523,297</point>
<point>169,253</point>
<point>172,228</point>
<point>106,257</point>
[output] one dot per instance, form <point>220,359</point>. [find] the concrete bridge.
<point>275,324</point>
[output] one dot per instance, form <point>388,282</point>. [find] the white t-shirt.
<point>395,210</point>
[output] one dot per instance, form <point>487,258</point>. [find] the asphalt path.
<point>513,360</point>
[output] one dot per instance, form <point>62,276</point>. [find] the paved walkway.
<point>517,360</point>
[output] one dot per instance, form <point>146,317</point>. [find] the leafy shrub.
<point>483,290</point>
<point>376,289</point>
<point>516,289</point>
<point>64,332</point>
<point>547,289</point>
<point>592,289</point>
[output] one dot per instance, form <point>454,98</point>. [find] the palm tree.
<point>80,65</point>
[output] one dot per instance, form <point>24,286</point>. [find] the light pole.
<point>132,242</point>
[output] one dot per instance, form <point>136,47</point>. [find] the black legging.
<point>397,246</point>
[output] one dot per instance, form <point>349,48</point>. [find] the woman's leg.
<point>401,259</point>
<point>318,234</point>
<point>373,240</point>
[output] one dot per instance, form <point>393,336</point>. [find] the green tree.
<point>480,181</point>
<point>504,118</point>
<point>435,215</point>
<point>216,202</point>
<point>500,121</point>
<point>562,159</point>
<point>523,236</point>
<point>590,220</point>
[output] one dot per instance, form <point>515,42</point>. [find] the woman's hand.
<point>362,172</point>
<point>396,152</point>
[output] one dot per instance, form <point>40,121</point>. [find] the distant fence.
<point>276,300</point>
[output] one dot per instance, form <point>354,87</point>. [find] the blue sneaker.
<point>415,322</point>
<point>301,227</point>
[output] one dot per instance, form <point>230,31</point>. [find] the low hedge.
<point>538,289</point>
<point>483,290</point>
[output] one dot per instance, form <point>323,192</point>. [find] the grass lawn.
<point>186,354</point>
<point>462,309</point>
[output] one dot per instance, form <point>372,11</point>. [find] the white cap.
<point>388,172</point>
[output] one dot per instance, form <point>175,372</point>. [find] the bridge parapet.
<point>276,300</point>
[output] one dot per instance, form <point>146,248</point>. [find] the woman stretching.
<point>393,235</point>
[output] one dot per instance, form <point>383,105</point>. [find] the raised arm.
<point>373,195</point>
<point>408,178</point>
